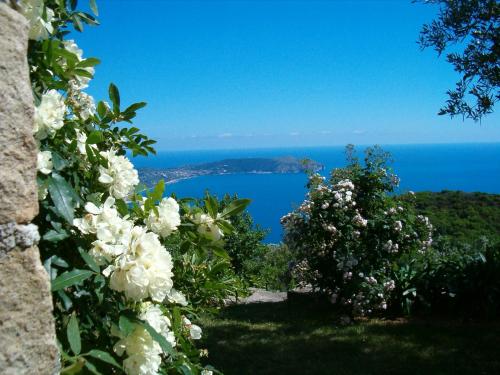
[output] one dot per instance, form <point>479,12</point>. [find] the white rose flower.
<point>144,353</point>
<point>120,175</point>
<point>206,372</point>
<point>398,226</point>
<point>33,10</point>
<point>83,104</point>
<point>79,83</point>
<point>207,226</point>
<point>145,270</point>
<point>168,219</point>
<point>49,115</point>
<point>81,142</point>
<point>177,297</point>
<point>112,231</point>
<point>44,162</point>
<point>194,330</point>
<point>161,324</point>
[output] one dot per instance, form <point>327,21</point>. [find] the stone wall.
<point>27,333</point>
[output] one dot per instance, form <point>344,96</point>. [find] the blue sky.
<point>246,74</point>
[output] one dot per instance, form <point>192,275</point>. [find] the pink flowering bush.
<point>351,235</point>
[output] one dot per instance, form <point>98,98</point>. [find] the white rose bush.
<point>116,252</point>
<point>351,237</point>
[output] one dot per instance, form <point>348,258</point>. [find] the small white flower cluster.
<point>83,104</point>
<point>112,231</point>
<point>208,226</point>
<point>167,220</point>
<point>306,206</point>
<point>79,83</point>
<point>144,353</point>
<point>343,194</point>
<point>194,330</point>
<point>359,220</point>
<point>330,228</point>
<point>145,270</point>
<point>44,162</point>
<point>39,17</point>
<point>428,241</point>
<point>398,226</point>
<point>391,247</point>
<point>389,285</point>
<point>120,175</point>
<point>141,268</point>
<point>49,115</point>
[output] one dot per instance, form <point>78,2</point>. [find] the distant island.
<point>287,164</point>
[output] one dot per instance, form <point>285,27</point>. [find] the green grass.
<point>276,338</point>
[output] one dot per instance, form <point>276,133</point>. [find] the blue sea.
<point>466,167</point>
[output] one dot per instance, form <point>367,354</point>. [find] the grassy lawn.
<point>275,338</point>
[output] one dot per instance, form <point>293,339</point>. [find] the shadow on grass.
<point>276,338</point>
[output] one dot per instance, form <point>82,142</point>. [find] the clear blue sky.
<point>246,74</point>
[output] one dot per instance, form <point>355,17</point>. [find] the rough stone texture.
<point>28,344</point>
<point>17,235</point>
<point>18,192</point>
<point>27,333</point>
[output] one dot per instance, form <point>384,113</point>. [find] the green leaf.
<point>83,73</point>
<point>125,325</point>
<point>54,236</point>
<point>70,278</point>
<point>185,370</point>
<point>158,190</point>
<point>77,23</point>
<point>236,207</point>
<point>212,206</point>
<point>93,7</point>
<point>226,226</point>
<point>95,137</point>
<point>58,261</point>
<point>121,207</point>
<point>104,356</point>
<point>58,161</point>
<point>92,368</point>
<point>87,63</point>
<point>165,345</point>
<point>134,107</point>
<point>73,334</point>
<point>74,368</point>
<point>102,109</point>
<point>89,260</point>
<point>63,196</point>
<point>114,96</point>
<point>221,253</point>
<point>67,303</point>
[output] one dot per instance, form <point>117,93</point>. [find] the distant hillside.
<point>286,164</point>
<point>462,216</point>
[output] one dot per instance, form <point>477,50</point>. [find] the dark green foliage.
<point>268,267</point>
<point>475,24</point>
<point>462,217</point>
<point>246,240</point>
<point>453,279</point>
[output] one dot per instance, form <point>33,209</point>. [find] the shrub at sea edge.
<point>350,234</point>
<point>118,295</point>
<point>370,251</point>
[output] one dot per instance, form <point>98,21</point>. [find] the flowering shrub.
<point>455,278</point>
<point>202,263</point>
<point>350,235</point>
<point>120,301</point>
